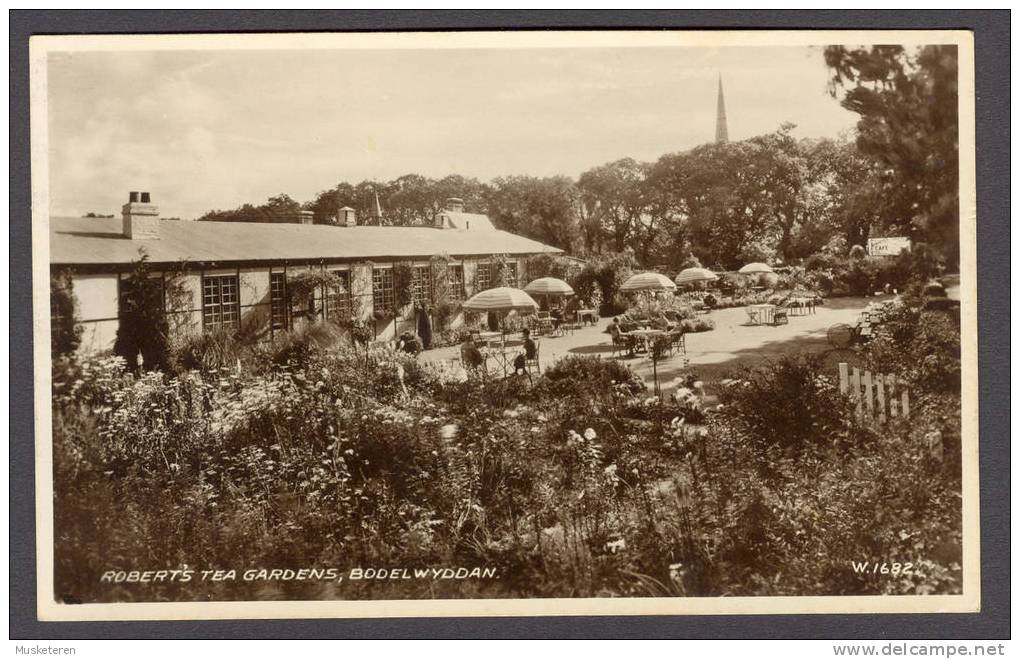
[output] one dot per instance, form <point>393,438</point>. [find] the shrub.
<point>921,344</point>
<point>65,333</point>
<point>577,370</point>
<point>298,346</point>
<point>710,301</point>
<point>697,324</point>
<point>143,328</point>
<point>209,351</point>
<point>790,404</point>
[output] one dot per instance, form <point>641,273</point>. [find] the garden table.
<point>503,356</point>
<point>761,314</point>
<point>587,315</point>
<point>647,336</point>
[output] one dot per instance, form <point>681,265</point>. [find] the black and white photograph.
<point>469,323</point>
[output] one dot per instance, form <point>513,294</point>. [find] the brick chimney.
<point>140,217</point>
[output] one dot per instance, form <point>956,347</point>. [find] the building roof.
<point>467,221</point>
<point>96,241</point>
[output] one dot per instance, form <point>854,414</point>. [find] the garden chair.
<point>780,316</point>
<point>676,338</point>
<point>528,363</point>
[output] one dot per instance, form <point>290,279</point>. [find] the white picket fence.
<point>876,396</point>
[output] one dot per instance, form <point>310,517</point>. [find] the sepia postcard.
<point>504,323</point>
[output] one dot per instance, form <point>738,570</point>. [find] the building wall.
<point>97,300</point>
<point>184,304</point>
<point>96,308</point>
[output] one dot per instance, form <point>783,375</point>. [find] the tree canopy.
<point>771,197</point>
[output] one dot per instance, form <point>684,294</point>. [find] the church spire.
<point>377,213</point>
<point>721,132</point>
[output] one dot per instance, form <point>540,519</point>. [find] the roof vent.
<point>347,217</point>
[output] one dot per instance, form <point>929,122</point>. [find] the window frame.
<point>279,305</point>
<point>455,281</point>
<point>334,301</point>
<point>422,289</point>
<point>483,284</point>
<point>382,288</point>
<point>222,307</point>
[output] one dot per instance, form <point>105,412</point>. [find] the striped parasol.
<point>755,268</point>
<point>692,275</point>
<point>549,286</point>
<point>503,298</point>
<point>647,281</point>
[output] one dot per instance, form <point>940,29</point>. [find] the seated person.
<point>470,355</point>
<point>409,343</point>
<point>660,322</point>
<point>557,317</point>
<point>530,350</point>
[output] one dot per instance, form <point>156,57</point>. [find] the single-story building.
<point>236,274</point>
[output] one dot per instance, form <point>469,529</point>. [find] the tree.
<point>539,208</point>
<point>280,208</point>
<point>909,123</point>
<point>65,332</point>
<point>614,199</point>
<point>142,328</point>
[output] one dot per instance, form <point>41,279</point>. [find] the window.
<point>483,277</point>
<point>220,301</point>
<point>511,275</point>
<point>338,300</point>
<point>421,285</point>
<point>455,282</point>
<point>278,300</point>
<point>382,290</point>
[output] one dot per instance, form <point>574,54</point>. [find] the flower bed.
<point>580,485</point>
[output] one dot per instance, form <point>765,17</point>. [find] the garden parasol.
<point>755,269</point>
<point>647,281</point>
<point>503,298</point>
<point>692,275</point>
<point>549,287</point>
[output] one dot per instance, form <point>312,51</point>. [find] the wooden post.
<point>843,377</point>
<point>855,389</point>
<point>905,404</point>
<point>881,397</point>
<point>867,395</point>
<point>890,380</point>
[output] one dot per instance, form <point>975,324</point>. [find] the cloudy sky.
<point>208,130</point>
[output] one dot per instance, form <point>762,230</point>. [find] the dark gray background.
<point>991,29</point>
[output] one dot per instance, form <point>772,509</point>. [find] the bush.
<point>790,404</point>
<point>593,372</point>
<point>298,346</point>
<point>921,344</point>
<point>143,329</point>
<point>209,351</point>
<point>65,334</point>
<point>697,324</point>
